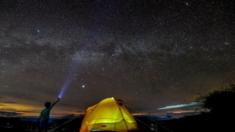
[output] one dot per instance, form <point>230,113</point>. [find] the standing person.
<point>45,115</point>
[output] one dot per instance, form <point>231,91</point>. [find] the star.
<point>186,3</point>
<point>226,43</point>
<point>38,30</point>
<point>84,86</point>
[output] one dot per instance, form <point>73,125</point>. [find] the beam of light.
<point>70,76</point>
<point>182,106</point>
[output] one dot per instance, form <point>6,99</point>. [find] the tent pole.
<point>122,115</point>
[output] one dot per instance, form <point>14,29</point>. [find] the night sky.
<point>149,53</point>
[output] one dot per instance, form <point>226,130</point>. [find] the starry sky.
<point>149,53</point>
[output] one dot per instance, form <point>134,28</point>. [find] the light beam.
<point>69,78</point>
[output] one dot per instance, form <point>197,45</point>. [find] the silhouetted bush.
<point>221,102</point>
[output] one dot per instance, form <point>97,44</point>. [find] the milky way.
<point>148,53</point>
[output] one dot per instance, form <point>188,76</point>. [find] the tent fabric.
<point>108,115</point>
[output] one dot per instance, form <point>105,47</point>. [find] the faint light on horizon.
<point>33,110</point>
<point>15,107</point>
<point>178,106</point>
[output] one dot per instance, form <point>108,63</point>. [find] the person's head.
<point>47,104</point>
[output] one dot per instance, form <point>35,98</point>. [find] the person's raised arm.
<point>53,104</point>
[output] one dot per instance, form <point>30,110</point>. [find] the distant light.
<point>193,104</point>
<point>172,106</point>
<point>186,3</point>
<point>38,30</point>
<point>226,43</point>
<point>83,86</point>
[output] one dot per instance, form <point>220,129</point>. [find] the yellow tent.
<point>108,115</point>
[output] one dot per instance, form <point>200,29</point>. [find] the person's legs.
<point>43,127</point>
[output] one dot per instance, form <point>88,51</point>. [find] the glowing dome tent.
<point>108,115</point>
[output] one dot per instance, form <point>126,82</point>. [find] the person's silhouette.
<point>45,115</point>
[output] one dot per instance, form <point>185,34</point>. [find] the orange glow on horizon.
<point>33,110</point>
<point>14,107</point>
